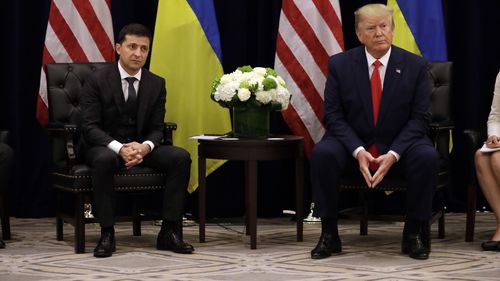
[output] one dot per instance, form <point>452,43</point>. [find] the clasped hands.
<point>492,142</point>
<point>384,163</point>
<point>133,153</point>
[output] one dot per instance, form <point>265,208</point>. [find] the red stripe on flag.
<point>306,33</point>
<point>42,112</point>
<point>297,126</point>
<point>95,28</point>
<point>47,58</point>
<point>305,26</point>
<point>332,20</point>
<point>300,77</point>
<point>66,36</point>
<point>70,45</point>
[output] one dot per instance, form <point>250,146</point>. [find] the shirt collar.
<point>384,59</point>
<point>124,74</point>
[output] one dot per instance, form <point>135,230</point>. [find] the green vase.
<point>250,122</point>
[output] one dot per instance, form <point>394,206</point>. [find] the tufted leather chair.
<point>441,124</point>
<point>71,178</point>
<point>4,206</point>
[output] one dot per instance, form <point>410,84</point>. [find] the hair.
<point>372,10</point>
<point>133,29</point>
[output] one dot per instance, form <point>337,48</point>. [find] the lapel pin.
<point>398,70</point>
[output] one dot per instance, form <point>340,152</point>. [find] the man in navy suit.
<point>377,105</point>
<point>123,108</point>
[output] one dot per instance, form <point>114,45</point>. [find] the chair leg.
<point>79,224</point>
<point>363,222</point>
<point>59,220</point>
<point>136,221</point>
<point>59,228</point>
<point>471,213</point>
<point>4,216</point>
<point>441,225</point>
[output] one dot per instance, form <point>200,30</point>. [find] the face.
<point>376,34</point>
<point>133,52</point>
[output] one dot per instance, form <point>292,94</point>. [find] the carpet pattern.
<point>34,254</point>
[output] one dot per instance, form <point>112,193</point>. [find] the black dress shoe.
<point>413,245</point>
<point>327,244</point>
<point>2,244</point>
<point>169,240</point>
<point>106,245</point>
<point>491,246</point>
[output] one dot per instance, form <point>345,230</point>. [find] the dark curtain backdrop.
<point>248,31</point>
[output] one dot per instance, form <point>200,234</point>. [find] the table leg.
<point>201,198</point>
<point>251,186</point>
<point>299,197</point>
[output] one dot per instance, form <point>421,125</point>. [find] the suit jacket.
<point>404,112</point>
<point>103,102</point>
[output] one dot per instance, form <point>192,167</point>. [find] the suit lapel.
<point>363,82</point>
<point>391,81</point>
<point>115,86</point>
<point>143,98</point>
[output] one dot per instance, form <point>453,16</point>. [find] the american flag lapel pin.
<point>398,70</point>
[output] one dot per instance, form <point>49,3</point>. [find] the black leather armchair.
<point>71,178</point>
<point>441,124</point>
<point>4,202</point>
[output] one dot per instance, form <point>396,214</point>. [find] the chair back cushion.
<point>440,75</point>
<point>64,87</point>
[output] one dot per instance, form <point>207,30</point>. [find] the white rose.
<point>225,92</point>
<point>264,97</point>
<point>225,79</point>
<point>243,94</point>
<point>282,96</point>
<point>260,71</point>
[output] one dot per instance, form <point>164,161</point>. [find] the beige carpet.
<point>34,254</point>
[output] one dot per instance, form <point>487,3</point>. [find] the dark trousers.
<point>6,161</point>
<point>174,161</point>
<point>330,161</point>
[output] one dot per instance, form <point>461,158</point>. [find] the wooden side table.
<point>279,147</point>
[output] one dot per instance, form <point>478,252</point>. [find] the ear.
<point>358,33</point>
<point>118,47</point>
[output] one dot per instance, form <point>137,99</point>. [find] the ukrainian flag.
<point>420,28</point>
<point>186,52</point>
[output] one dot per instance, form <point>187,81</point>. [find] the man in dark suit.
<point>123,108</point>
<point>377,104</point>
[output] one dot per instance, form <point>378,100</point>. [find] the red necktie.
<point>376,87</point>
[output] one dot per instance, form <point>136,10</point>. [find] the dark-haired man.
<point>123,109</point>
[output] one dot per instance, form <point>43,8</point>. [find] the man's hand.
<point>385,163</point>
<point>364,158</point>
<point>133,153</point>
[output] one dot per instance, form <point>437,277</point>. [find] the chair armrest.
<point>474,139</point>
<point>168,129</point>
<point>66,133</point>
<point>440,135</point>
<point>4,136</point>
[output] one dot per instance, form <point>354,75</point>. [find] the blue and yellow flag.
<point>187,53</point>
<point>420,28</point>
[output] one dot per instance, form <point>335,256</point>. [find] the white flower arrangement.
<point>247,86</point>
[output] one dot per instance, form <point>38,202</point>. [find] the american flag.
<point>77,31</point>
<point>309,32</point>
